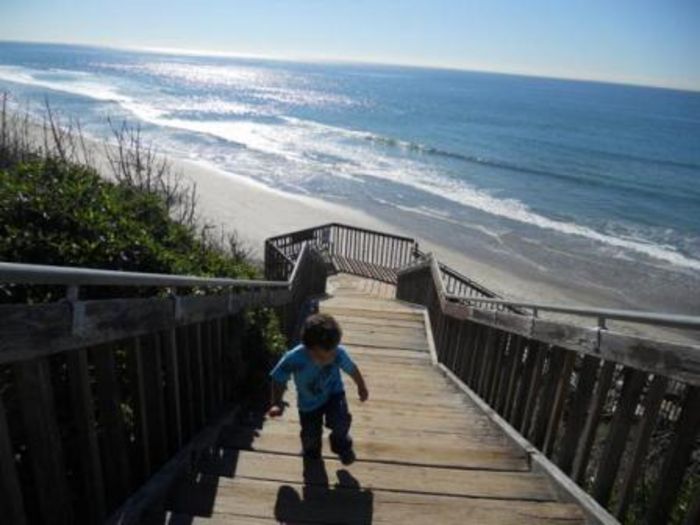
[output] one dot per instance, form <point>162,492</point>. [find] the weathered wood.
<point>674,360</point>
<point>380,476</point>
<point>295,503</point>
<point>576,418</point>
<point>154,399</point>
<point>198,376</point>
<point>31,331</point>
<point>652,404</point>
<point>517,416</point>
<point>11,504</point>
<point>617,438</point>
<point>679,451</point>
<point>208,369</point>
<point>173,396</point>
<point>142,434</point>
<point>113,444</point>
<point>186,382</point>
<point>533,388</point>
<point>85,425</point>
<point>557,407</point>
<point>538,427</point>
<point>35,396</point>
<point>591,426</point>
<point>514,373</point>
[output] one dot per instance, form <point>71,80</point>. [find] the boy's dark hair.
<point>321,330</point>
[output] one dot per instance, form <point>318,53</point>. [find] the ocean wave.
<point>515,210</point>
<point>77,83</point>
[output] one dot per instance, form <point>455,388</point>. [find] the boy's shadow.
<point>343,503</point>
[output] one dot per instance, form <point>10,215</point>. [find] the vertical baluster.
<point>577,414</point>
<point>556,409</point>
<point>617,438</point>
<point>591,426</point>
<point>113,442</point>
<point>652,404</point>
<point>35,396</point>
<point>11,505</point>
<point>678,455</point>
<point>172,389</point>
<point>84,418</point>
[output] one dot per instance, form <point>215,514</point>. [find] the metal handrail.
<point>602,314</point>
<point>20,273</point>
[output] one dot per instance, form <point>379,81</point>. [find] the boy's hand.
<point>275,411</point>
<point>362,393</point>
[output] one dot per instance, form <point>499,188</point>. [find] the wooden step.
<point>410,450</point>
<point>290,502</point>
<point>404,478</point>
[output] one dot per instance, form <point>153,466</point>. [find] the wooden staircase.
<point>426,454</point>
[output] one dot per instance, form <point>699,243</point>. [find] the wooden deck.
<point>426,454</point>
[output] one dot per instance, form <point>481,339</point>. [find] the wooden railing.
<point>618,414</point>
<point>96,395</point>
<point>368,253</point>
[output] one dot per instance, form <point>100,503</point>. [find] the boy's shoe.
<point>348,457</point>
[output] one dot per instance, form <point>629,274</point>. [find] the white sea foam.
<point>75,83</point>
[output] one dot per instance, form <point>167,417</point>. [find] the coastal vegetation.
<point>68,201</point>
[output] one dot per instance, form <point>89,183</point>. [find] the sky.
<point>649,42</point>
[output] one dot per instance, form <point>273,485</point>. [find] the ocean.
<point>589,185</point>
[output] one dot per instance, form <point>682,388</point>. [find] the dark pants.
<point>338,420</point>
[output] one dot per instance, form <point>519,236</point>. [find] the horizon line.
<point>168,50</point>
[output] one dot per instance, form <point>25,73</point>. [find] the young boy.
<point>315,365</point>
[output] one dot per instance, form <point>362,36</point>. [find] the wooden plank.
<point>515,369</point>
<point>32,331</point>
<point>84,419</point>
<point>557,407</point>
<point>652,404</point>
<point>532,388</point>
<point>113,445</point>
<point>591,426</point>
<point>35,396</point>
<point>677,458</point>
<point>378,476</point>
<point>576,418</point>
<point>186,382</point>
<point>538,426</point>
<point>408,451</point>
<point>207,369</point>
<point>677,361</point>
<point>173,396</point>
<point>198,377</point>
<point>295,503</point>
<point>617,438</point>
<point>142,439</point>
<point>11,503</point>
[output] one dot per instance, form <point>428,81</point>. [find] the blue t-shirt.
<point>314,383</point>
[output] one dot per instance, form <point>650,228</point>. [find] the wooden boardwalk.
<point>426,454</point>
